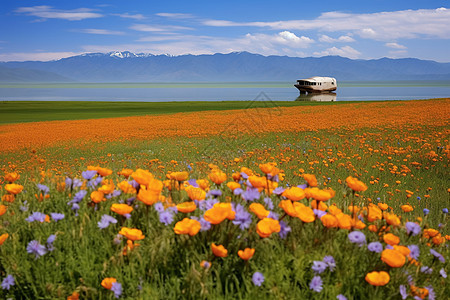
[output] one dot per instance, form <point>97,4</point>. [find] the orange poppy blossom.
<point>310,179</point>
<point>186,207</point>
<point>142,177</point>
<point>8,198</point>
<point>107,187</point>
<point>195,193</point>
<point>393,258</point>
<point>217,176</point>
<point>125,172</point>
<point>383,206</point>
<point>126,187</point>
<point>11,177</point>
<point>258,181</point>
<point>391,239</point>
<point>267,226</point>
<point>233,185</point>
<point>132,233</point>
<point>402,249</point>
<point>129,247</point>
<point>179,176</point>
<point>318,194</point>
<point>378,278</point>
<point>259,210</point>
<point>355,184</point>
<point>391,219</point>
<point>329,221</point>
<point>75,296</point>
<point>3,238</point>
<point>269,168</point>
<point>320,205</point>
<point>219,212</point>
<point>407,208</point>
<point>13,188</point>
<point>187,226</point>
<point>121,209</point>
<point>107,282</point>
<point>422,293</point>
<point>219,250</point>
<point>148,197</point>
<point>3,209</point>
<point>101,171</point>
<point>246,254</point>
<point>203,184</point>
<point>294,193</point>
<point>373,213</point>
<point>97,197</point>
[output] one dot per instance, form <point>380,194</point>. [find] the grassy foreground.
<point>230,213</point>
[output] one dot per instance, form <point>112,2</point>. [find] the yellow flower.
<point>219,250</point>
<point>187,226</point>
<point>246,254</point>
<point>378,278</point>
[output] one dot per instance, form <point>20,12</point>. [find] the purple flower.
<point>214,193</point>
<point>258,278</point>
<point>284,229</point>
<point>329,260</point>
<point>251,194</point>
<point>269,203</point>
<point>412,228</point>
<point>443,273</point>
<point>36,216</point>
<point>415,252</point>
<point>105,221</point>
<point>389,247</point>
<point>445,210</point>
<point>193,182</point>
<point>76,183</point>
<point>43,188</point>
<point>238,191</point>
<point>319,266</point>
<point>426,211</point>
<point>134,183</point>
<point>166,217</point>
<point>426,270</point>
<point>205,225</point>
<point>68,182</point>
<point>278,191</point>
<point>431,293</point>
<point>273,215</point>
<point>88,174</point>
<point>50,241</point>
<point>117,289</point>
<point>34,247</point>
<point>357,237</point>
<point>302,186</point>
<point>437,255</point>
<point>159,207</point>
<point>8,282</point>
<point>319,213</point>
<point>57,216</point>
<point>341,297</point>
<point>243,175</point>
<point>375,247</point>
<point>403,292</point>
<point>316,284</point>
<point>242,218</point>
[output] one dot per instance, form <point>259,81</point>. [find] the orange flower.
<point>246,254</point>
<point>187,226</point>
<point>142,176</point>
<point>186,207</point>
<point>269,168</point>
<point>203,184</point>
<point>402,249</point>
<point>267,226</point>
<point>258,181</point>
<point>334,210</point>
<point>107,187</point>
<point>233,185</point>
<point>101,171</point>
<point>355,184</point>
<point>304,213</point>
<point>219,212</point>
<point>391,219</point>
<point>320,195</point>
<point>393,258</point>
<point>195,193</point>
<point>8,198</point>
<point>217,176</point>
<point>430,232</point>
<point>132,233</point>
<point>148,197</point>
<point>378,278</point>
<point>422,293</point>
<point>179,176</point>
<point>97,196</point>
<point>126,187</point>
<point>310,179</point>
<point>259,210</point>
<point>344,221</point>
<point>288,207</point>
<point>391,239</point>
<point>126,172</point>
<point>3,238</point>
<point>319,205</point>
<point>219,250</point>
<point>294,193</point>
<point>407,208</point>
<point>383,206</point>
<point>121,209</point>
<point>107,282</point>
<point>2,209</point>
<point>11,177</point>
<point>75,296</point>
<point>13,188</point>
<point>329,221</point>
<point>373,213</point>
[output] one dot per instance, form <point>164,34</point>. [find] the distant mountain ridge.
<point>125,66</point>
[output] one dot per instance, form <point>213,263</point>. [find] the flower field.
<point>345,201</point>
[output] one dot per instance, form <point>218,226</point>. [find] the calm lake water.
<point>275,91</point>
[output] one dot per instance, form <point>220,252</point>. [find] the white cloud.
<point>39,56</point>
<point>101,31</point>
<point>158,28</point>
<point>345,51</point>
<point>408,24</point>
<point>48,12</point>
<point>175,15</point>
<point>395,46</point>
<point>343,38</point>
<point>130,16</point>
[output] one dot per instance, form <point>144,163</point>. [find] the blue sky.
<point>46,30</point>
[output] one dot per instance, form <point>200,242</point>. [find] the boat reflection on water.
<point>317,97</point>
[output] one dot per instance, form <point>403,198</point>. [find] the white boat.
<point>316,84</point>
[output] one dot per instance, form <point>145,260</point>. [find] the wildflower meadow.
<point>342,201</point>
